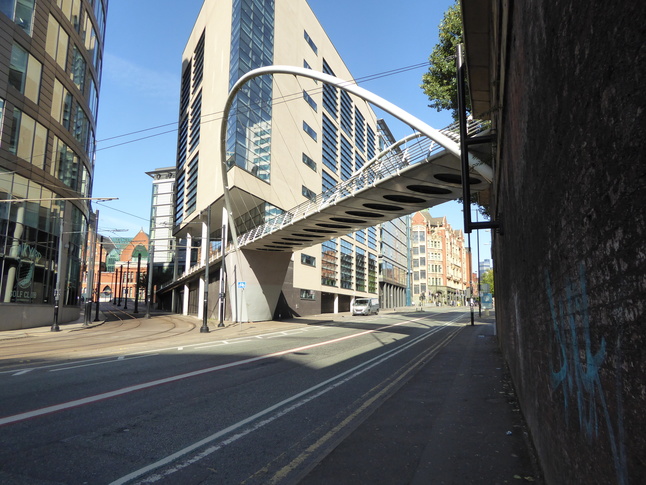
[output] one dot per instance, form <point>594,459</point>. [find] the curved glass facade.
<point>48,105</point>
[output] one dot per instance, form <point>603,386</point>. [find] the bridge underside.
<point>412,189</point>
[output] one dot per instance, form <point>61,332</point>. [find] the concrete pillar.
<point>203,256</point>
<point>187,266</point>
<point>263,279</point>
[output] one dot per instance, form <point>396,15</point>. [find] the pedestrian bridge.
<point>418,172</point>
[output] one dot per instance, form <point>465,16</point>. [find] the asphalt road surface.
<point>156,401</point>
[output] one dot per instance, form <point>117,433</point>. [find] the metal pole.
<point>98,282</point>
<point>471,278</point>
<point>120,283</point>
<point>90,274</point>
<point>114,283</point>
<point>151,255</point>
<point>223,248</point>
<point>59,275</point>
<point>205,310</point>
<point>125,305</point>
<point>137,283</point>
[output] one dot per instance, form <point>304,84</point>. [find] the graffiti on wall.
<point>576,371</point>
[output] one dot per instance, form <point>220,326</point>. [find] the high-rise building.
<point>50,72</point>
<point>161,216</point>
<point>441,263</point>
<point>289,138</point>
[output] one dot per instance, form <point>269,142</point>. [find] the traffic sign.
<point>242,284</point>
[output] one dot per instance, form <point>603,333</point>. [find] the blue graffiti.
<point>578,376</point>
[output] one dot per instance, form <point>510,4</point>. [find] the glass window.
<point>72,10</point>
<point>308,260</point>
<point>310,42</point>
<point>81,126</point>
<point>1,118</point>
<point>310,101</point>
<point>310,131</point>
<point>308,193</point>
<point>28,139</point>
<point>20,11</point>
<point>57,42</point>
<point>61,104</point>
<point>25,72</point>
<point>78,69</point>
<point>309,162</point>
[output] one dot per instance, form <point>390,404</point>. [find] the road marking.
<point>147,385</point>
<point>118,359</point>
<point>301,398</point>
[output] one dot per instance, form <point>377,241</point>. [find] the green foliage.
<point>487,277</point>
<point>439,83</point>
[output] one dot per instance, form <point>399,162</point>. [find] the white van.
<point>365,306</point>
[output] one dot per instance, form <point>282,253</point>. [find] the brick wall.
<point>571,267</point>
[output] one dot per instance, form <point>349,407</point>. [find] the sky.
<point>139,97</point>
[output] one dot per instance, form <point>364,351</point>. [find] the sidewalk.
<point>454,422</point>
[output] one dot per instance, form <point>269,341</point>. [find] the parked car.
<point>365,306</point>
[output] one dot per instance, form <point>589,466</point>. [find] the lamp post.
<point>98,281</point>
<point>125,304</point>
<point>90,273</point>
<point>59,275</point>
<point>151,256</point>
<point>137,283</point>
<point>120,284</point>
<point>222,268</point>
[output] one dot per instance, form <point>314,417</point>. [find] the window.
<point>310,101</point>
<point>309,162</point>
<point>61,104</point>
<point>20,11</point>
<point>57,42</point>
<point>66,165</point>
<point>308,193</point>
<point>28,139</point>
<point>81,126</point>
<point>329,144</point>
<point>25,72</point>
<point>72,10</point>
<point>1,118</point>
<point>308,129</point>
<point>346,113</point>
<point>346,159</point>
<point>329,262</point>
<point>307,295</point>
<point>310,42</point>
<point>308,260</point>
<point>78,69</point>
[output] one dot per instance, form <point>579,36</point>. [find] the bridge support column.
<point>263,274</point>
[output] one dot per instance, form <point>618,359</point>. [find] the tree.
<point>487,278</point>
<point>439,83</point>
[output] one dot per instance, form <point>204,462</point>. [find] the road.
<point>156,401</point>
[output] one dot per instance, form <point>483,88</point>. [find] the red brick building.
<point>440,261</point>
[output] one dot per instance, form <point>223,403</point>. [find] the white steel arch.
<point>453,147</point>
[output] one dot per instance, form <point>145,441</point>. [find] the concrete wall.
<point>571,266</point>
<point>19,316</point>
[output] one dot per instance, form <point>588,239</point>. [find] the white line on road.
<point>147,385</point>
<point>322,388</point>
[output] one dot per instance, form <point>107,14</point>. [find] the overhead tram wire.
<point>282,99</point>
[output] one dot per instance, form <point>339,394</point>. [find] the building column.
<point>203,256</point>
<point>187,266</point>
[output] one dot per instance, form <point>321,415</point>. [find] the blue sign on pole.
<point>487,301</point>
<point>242,284</point>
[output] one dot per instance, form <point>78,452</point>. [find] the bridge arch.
<point>421,127</point>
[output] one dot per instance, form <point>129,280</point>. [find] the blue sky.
<point>141,75</point>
